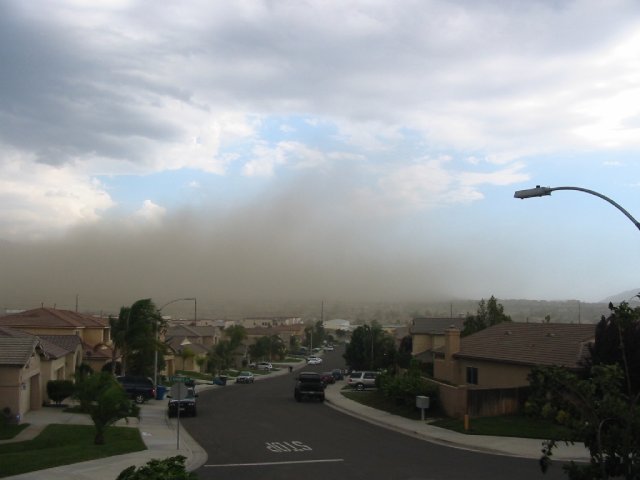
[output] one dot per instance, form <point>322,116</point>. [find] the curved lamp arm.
<point>542,191</point>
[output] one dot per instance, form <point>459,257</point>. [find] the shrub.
<point>58,390</point>
<point>171,468</point>
<point>404,388</point>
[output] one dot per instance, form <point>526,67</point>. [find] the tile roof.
<point>52,318</point>
<point>275,330</point>
<point>97,352</point>
<point>53,346</point>
<point>68,343</point>
<point>192,331</point>
<point>16,351</point>
<point>530,343</point>
<point>435,325</point>
<point>178,344</point>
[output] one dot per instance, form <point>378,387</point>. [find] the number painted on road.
<point>287,447</point>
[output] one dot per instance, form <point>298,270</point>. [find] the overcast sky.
<point>355,150</point>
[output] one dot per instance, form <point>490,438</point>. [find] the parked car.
<point>138,388</point>
<point>264,366</point>
<point>329,348</point>
<point>309,385</point>
<point>245,377</point>
<point>362,380</point>
<point>314,360</point>
<point>327,378</point>
<point>187,405</point>
<point>337,374</point>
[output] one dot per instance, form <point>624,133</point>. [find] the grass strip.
<point>375,399</point>
<point>507,426</point>
<point>66,444</point>
<point>7,432</point>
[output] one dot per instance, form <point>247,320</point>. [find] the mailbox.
<point>422,401</point>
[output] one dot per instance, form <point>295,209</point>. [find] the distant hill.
<point>630,296</point>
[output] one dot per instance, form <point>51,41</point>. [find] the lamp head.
<point>533,192</point>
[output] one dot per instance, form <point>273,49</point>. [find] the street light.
<point>195,319</point>
<point>543,191</point>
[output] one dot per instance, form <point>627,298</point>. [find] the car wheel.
<point>298,398</point>
<point>322,398</point>
<point>194,413</point>
<point>359,387</point>
<point>138,398</point>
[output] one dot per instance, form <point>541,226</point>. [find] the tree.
<point>370,348</point>
<point>103,398</point>
<point>405,350</point>
<point>236,335</point>
<point>118,335</point>
<point>314,335</point>
<point>135,335</point>
<point>220,357</point>
<point>488,314</point>
<point>268,347</point>
<point>600,404</point>
<point>597,411</point>
<point>617,341</point>
<point>58,390</point>
<point>144,325</point>
<point>185,354</point>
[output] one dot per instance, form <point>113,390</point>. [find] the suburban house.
<point>337,324</point>
<point>28,362</point>
<point>266,322</point>
<point>188,344</point>
<point>94,332</point>
<point>287,333</point>
<point>486,373</point>
<point>427,335</point>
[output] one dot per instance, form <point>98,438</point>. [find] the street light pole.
<point>543,191</point>
<point>155,360</point>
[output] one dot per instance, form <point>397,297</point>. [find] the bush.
<point>404,389</point>
<point>58,390</point>
<point>171,468</point>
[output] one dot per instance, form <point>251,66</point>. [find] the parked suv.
<point>138,388</point>
<point>362,380</point>
<point>309,385</point>
<point>187,405</point>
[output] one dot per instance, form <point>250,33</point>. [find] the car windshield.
<point>245,374</point>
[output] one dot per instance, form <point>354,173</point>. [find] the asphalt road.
<point>258,431</point>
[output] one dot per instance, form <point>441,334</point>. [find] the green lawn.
<point>505,426</point>
<point>375,399</point>
<point>7,432</point>
<point>66,444</point>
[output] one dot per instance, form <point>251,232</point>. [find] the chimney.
<point>451,342</point>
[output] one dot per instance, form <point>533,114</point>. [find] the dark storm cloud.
<point>63,100</point>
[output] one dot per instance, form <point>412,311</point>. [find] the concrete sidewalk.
<point>160,436</point>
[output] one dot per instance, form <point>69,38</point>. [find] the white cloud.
<point>40,200</point>
<point>151,212</point>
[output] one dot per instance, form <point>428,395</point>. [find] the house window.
<point>472,375</point>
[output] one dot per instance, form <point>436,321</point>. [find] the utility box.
<point>422,402</point>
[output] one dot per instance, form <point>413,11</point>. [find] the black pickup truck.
<point>309,385</point>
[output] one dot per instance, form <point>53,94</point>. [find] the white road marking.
<point>263,464</point>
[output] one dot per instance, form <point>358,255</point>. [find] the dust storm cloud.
<point>304,243</point>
